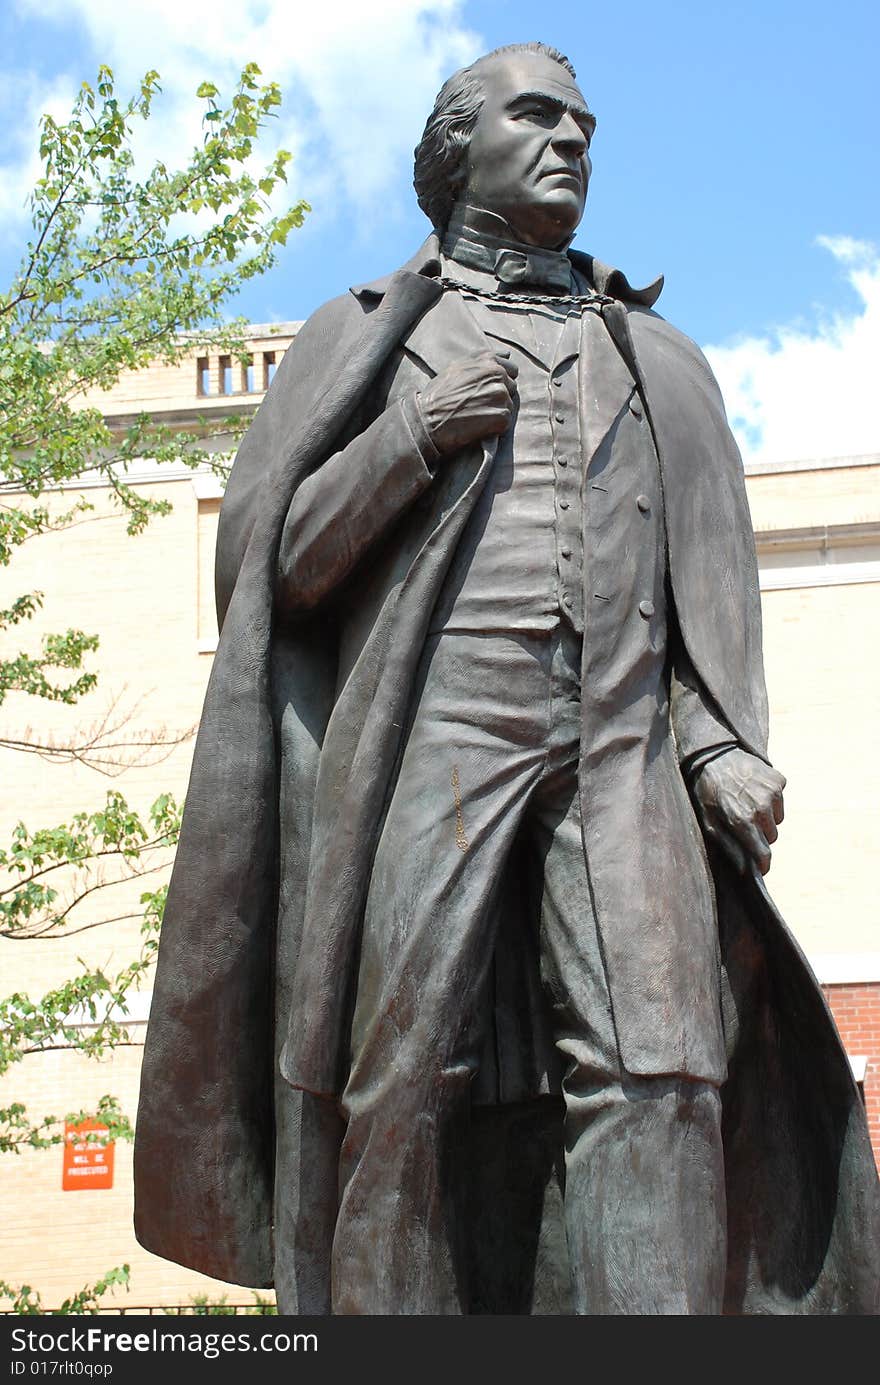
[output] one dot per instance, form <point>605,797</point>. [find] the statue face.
<point>528,160</point>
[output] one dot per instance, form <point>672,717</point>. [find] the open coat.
<point>302,727</point>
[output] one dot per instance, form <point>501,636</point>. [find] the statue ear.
<point>454,183</point>
<point>458,176</point>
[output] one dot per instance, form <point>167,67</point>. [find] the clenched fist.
<point>470,400</point>
<point>739,800</point>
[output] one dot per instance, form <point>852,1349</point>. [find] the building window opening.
<point>247,375</point>
<point>226,375</point>
<point>203,376</point>
<point>269,367</point>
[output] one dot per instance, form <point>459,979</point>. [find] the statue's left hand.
<point>739,801</point>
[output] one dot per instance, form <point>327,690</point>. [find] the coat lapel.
<point>446,336</point>
<point>406,295</point>
<point>449,332</point>
<point>606,384</point>
<point>516,330</point>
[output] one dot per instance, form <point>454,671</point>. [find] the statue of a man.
<point>481,795</point>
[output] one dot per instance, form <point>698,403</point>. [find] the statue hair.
<point>439,156</point>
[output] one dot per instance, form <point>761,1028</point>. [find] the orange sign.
<point>88,1157</point>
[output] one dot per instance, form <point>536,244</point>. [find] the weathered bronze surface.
<point>470,996</point>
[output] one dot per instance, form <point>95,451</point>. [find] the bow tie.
<point>549,270</point>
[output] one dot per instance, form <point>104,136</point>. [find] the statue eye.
<point>541,113</point>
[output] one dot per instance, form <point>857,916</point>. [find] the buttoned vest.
<point>519,566</point>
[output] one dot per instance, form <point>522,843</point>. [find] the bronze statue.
<point>469,889</point>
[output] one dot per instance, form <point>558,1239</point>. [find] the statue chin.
<point>549,223</point>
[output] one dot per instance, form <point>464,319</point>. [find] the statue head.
<point>510,134</point>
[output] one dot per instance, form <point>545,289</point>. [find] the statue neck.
<point>483,241</point>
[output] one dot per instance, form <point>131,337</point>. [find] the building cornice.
<point>811,464</point>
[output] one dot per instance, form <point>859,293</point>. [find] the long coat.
<point>302,726</point>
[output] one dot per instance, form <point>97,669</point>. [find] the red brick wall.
<point>856,1009</point>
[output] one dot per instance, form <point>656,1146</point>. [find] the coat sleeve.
<point>349,503</point>
<point>699,728</point>
<point>287,432</point>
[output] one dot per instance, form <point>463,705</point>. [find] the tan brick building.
<point>150,599</point>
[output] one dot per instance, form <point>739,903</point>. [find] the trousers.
<point>490,768</point>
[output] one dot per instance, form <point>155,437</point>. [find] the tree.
<point>124,267</point>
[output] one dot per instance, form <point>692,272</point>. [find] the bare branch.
<point>54,927</point>
<point>155,844</point>
<point>23,936</point>
<point>101,747</point>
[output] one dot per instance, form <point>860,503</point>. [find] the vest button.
<point>635,407</point>
<point>563,461</point>
<point>644,504</point>
<point>566,552</point>
<point>560,418</point>
<point>563,504</point>
<point>646,609</point>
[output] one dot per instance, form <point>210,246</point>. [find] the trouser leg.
<point>644,1200</point>
<point>644,1196</point>
<point>427,946</point>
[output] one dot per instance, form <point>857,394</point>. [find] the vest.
<point>519,565</point>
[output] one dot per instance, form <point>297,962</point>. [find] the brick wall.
<point>856,1009</point>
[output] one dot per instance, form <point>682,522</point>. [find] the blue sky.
<point>736,152</point>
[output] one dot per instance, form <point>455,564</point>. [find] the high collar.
<point>604,279</point>
<point>483,241</point>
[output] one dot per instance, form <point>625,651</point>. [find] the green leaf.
<point>119,269</point>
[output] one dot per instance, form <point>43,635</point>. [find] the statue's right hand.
<point>470,400</point>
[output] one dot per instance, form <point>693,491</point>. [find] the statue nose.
<point>569,135</point>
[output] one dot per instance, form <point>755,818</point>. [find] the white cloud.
<point>810,390</point>
<point>23,100</point>
<point>358,78</point>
